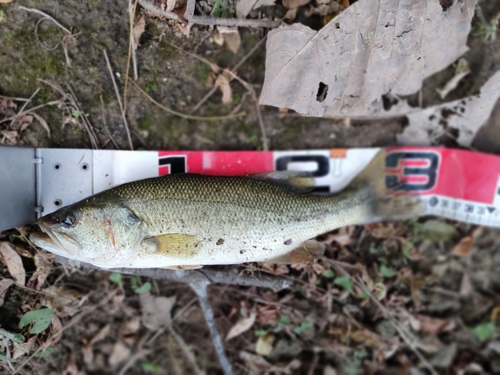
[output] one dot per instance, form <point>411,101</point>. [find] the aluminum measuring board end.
<point>18,189</point>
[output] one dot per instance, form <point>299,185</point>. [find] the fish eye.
<point>68,221</point>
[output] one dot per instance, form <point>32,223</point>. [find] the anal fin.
<point>305,253</point>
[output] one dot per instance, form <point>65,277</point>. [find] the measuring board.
<point>456,184</point>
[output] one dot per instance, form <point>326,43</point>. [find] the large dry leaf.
<point>13,262</point>
<point>244,7</point>
<point>466,115</point>
<point>43,262</point>
<point>372,49</point>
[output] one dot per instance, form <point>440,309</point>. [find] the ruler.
<point>456,184</point>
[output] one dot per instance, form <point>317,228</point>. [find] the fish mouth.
<point>60,243</point>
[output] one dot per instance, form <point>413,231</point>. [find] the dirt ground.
<point>324,324</point>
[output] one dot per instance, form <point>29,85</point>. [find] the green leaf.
<point>437,230</point>
<point>360,354</point>
<point>285,320</point>
<point>150,367</point>
<point>484,331</point>
<point>76,113</point>
<point>386,271</point>
<point>303,326</point>
<point>329,274</point>
<point>144,288</point>
<point>277,329</point>
<point>345,282</point>
<point>14,337</point>
<point>363,295</point>
<point>40,318</point>
<point>260,332</point>
<point>6,359</point>
<point>116,277</point>
<point>45,352</point>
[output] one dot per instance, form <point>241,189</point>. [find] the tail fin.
<point>386,204</point>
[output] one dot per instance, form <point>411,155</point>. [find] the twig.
<point>209,21</point>
<point>183,115</point>
<point>231,276</point>
<point>117,92</point>
<point>76,105</point>
<point>46,16</point>
<point>185,349</point>
<point>131,52</point>
<point>29,100</point>
<point>103,114</point>
<point>14,98</point>
<point>200,288</point>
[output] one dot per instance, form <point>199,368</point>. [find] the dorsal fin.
<point>299,182</point>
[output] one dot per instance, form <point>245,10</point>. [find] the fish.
<point>188,221</point>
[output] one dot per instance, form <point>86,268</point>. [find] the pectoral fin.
<point>172,244</point>
<point>305,253</point>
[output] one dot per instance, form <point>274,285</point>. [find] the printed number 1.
<point>177,164</point>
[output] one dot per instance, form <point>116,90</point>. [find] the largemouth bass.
<point>186,220</point>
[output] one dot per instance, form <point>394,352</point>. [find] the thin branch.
<point>183,115</point>
<point>45,15</point>
<point>185,349</point>
<point>103,114</point>
<point>117,92</point>
<point>231,276</point>
<point>200,288</point>
<point>131,52</point>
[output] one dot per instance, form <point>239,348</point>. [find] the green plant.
<point>39,318</point>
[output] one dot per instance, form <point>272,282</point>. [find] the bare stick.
<point>203,100</point>
<point>117,92</point>
<point>201,291</point>
<point>185,349</point>
<point>106,124</point>
<point>86,121</point>
<point>231,276</point>
<point>46,16</point>
<point>183,115</point>
<point>209,21</point>
<point>131,52</point>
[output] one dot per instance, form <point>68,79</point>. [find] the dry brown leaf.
<point>289,4</point>
<point>13,262</point>
<point>88,354</point>
<point>223,84</point>
<point>10,135</point>
<point>244,7</point>
<point>5,1</point>
<point>431,325</point>
<point>348,67</point>
<point>130,330</point>
<point>56,330</point>
<point>467,115</point>
<point>43,262</point>
<point>463,247</point>
<point>6,103</point>
<point>119,355</point>
<point>466,287</point>
<point>138,30</point>
<point>231,36</point>
<point>264,345</point>
<point>42,122</point>
<point>241,326</point>
<point>5,284</point>
<point>64,300</point>
<point>156,311</point>
<point>267,313</point>
<point>28,345</point>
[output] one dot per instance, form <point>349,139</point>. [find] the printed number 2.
<point>397,181</point>
<point>322,169</point>
<point>177,164</point>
